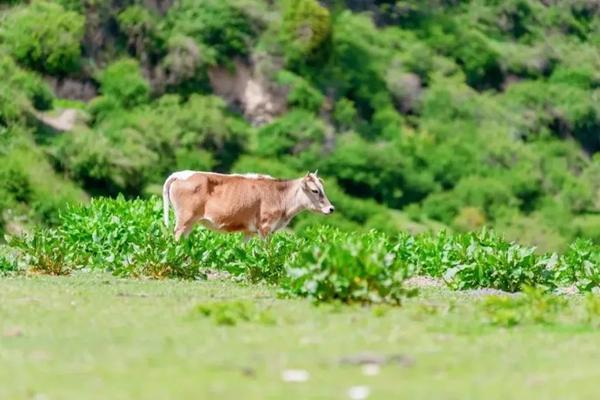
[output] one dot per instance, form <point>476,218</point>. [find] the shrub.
<point>344,113</point>
<point>385,171</point>
<point>295,132</point>
<point>474,260</point>
<point>123,82</point>
<point>588,226</point>
<point>305,27</point>
<point>20,91</point>
<point>126,151</point>
<point>581,265</point>
<point>8,260</point>
<point>15,183</point>
<point>301,93</point>
<point>213,24</point>
<point>349,268</point>
<point>469,219</point>
<point>534,306</point>
<point>140,26</point>
<point>44,36</point>
<point>471,49</point>
<point>184,65</point>
<point>104,165</point>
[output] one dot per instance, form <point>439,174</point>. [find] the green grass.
<point>95,336</point>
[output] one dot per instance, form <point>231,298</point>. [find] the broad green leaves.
<point>322,263</point>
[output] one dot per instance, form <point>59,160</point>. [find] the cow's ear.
<point>306,178</point>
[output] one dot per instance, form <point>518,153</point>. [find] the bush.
<point>213,24</point>
<point>384,171</point>
<point>140,26</point>
<point>44,36</point>
<point>344,113</point>
<point>361,268</point>
<point>20,92</point>
<point>301,93</point>
<point>471,49</point>
<point>15,183</point>
<point>126,151</point>
<point>305,27</point>
<point>534,306</point>
<point>581,265</point>
<point>588,226</point>
<point>97,163</point>
<point>296,132</point>
<point>123,83</point>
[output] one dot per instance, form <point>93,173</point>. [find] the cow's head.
<point>312,187</point>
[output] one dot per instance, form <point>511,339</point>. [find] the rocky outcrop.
<point>245,89</point>
<point>65,121</point>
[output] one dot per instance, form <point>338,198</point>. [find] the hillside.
<point>421,114</point>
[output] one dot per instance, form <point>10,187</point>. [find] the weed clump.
<point>230,313</point>
<point>535,305</point>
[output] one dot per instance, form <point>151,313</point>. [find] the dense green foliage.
<point>44,36</point>
<point>422,114</point>
<point>127,238</point>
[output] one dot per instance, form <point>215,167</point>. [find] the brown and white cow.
<point>251,203</point>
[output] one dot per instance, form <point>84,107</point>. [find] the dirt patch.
<point>377,359</point>
<point>63,122</point>
<point>424,281</point>
<point>430,282</point>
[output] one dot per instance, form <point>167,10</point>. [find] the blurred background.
<point>420,114</point>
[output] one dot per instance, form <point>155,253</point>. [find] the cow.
<point>248,203</point>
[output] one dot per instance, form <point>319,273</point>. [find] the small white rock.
<point>359,392</point>
<point>295,375</point>
<point>370,369</point>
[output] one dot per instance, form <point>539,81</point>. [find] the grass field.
<point>95,336</point>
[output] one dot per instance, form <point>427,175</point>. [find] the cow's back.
<point>227,202</point>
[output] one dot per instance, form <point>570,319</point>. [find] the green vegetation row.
<point>127,238</point>
<point>423,114</point>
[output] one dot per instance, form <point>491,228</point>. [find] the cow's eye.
<point>315,191</point>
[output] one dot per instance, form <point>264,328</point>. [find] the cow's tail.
<point>166,199</point>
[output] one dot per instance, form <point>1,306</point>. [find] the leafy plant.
<point>230,313</point>
<point>349,268</point>
<point>44,36</point>
<point>533,306</point>
<point>305,27</point>
<point>123,82</point>
<point>215,25</point>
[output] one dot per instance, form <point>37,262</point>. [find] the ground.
<point>99,337</point>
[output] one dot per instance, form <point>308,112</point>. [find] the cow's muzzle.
<point>328,210</point>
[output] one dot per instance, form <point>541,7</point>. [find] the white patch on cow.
<point>183,175</point>
<point>257,176</point>
<point>250,175</point>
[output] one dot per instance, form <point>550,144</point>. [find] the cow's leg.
<point>264,232</point>
<point>247,237</point>
<point>184,225</point>
<point>183,230</point>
